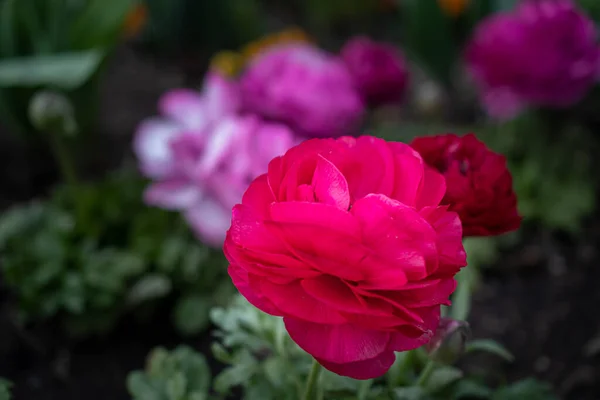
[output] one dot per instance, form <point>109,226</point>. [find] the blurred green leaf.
<point>7,28</point>
<point>191,314</point>
<point>468,389</point>
<point>530,389</point>
<point>429,38</point>
<point>489,346</point>
<point>64,71</point>
<point>443,376</point>
<point>100,23</point>
<point>410,393</point>
<point>149,287</point>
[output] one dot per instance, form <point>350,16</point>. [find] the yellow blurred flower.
<point>453,8</point>
<point>135,20</point>
<point>291,35</point>
<point>230,63</point>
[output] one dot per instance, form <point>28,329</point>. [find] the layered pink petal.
<point>186,107</point>
<point>337,343</point>
<point>365,369</point>
<point>151,147</point>
<point>240,279</point>
<point>173,194</point>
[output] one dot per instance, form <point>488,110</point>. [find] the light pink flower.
<point>203,154</point>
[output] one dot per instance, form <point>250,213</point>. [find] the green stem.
<point>426,373</point>
<point>312,381</point>
<point>68,172</point>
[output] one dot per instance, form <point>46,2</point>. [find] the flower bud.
<point>52,112</point>
<point>448,343</point>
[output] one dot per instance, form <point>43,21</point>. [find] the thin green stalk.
<point>68,172</point>
<point>312,381</point>
<point>426,373</point>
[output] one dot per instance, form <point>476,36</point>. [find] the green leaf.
<point>410,393</point>
<point>470,389</point>
<point>100,24</point>
<point>191,314</point>
<point>140,387</point>
<point>7,28</point>
<point>443,376</point>
<point>461,299</point>
<point>530,389</point>
<point>5,389</point>
<point>429,38</point>
<point>149,287</point>
<point>220,353</point>
<point>489,346</point>
<point>235,375</point>
<point>63,71</point>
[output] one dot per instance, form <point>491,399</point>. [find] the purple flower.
<point>379,70</point>
<point>305,87</point>
<point>542,54</point>
<point>202,154</point>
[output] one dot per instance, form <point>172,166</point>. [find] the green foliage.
<point>551,162</point>
<point>180,25</point>
<point>90,268</point>
<point>181,374</point>
<point>5,389</point>
<point>54,44</point>
<point>263,360</point>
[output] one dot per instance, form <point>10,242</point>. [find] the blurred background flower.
<point>542,54</point>
<point>378,69</point>
<point>306,87</point>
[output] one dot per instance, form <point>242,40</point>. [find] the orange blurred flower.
<point>453,8</point>
<point>135,20</point>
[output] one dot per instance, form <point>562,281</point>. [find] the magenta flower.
<point>346,240</point>
<point>543,54</point>
<point>202,155</point>
<point>305,87</point>
<point>378,69</point>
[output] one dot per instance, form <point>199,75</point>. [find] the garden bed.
<point>540,300</point>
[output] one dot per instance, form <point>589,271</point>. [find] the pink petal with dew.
<point>397,233</point>
<point>337,343</point>
<point>151,145</point>
<point>186,107</point>
<point>173,194</point>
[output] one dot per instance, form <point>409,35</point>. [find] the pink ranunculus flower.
<point>202,155</point>
<point>345,240</point>
<point>305,87</point>
<point>379,70</point>
<point>542,54</point>
<point>182,110</point>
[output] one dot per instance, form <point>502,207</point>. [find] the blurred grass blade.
<point>100,23</point>
<point>7,28</point>
<point>64,71</point>
<point>429,38</point>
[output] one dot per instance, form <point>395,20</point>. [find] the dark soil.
<point>542,301</point>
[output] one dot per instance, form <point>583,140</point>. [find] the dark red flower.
<point>479,184</point>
